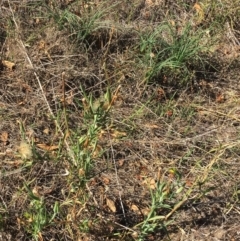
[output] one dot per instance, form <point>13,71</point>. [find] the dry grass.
<point>129,113</point>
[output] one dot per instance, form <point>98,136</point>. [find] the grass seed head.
<point>25,150</point>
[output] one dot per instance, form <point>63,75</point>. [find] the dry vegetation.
<point>120,120</point>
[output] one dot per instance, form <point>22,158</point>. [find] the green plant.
<point>164,50</point>
<point>37,216</point>
<point>165,192</point>
<point>159,199</point>
<point>84,226</point>
<point>81,22</point>
<point>84,142</point>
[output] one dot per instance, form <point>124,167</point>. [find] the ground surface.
<point>119,120</point>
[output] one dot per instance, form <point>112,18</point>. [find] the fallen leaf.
<point>197,7</point>
<point>8,64</point>
<point>19,222</point>
<point>145,211</point>
<point>46,131</point>
<point>16,163</point>
<point>169,113</point>
<point>150,182</point>
<point>113,133</point>
<point>135,209</point>
<point>149,3</point>
<point>151,126</point>
<point>4,137</point>
<point>69,98</point>
<point>47,147</point>
<point>143,171</point>
<point>42,44</point>
<point>35,191</point>
<point>107,105</point>
<point>188,182</point>
<point>118,134</point>
<point>86,143</point>
<point>160,94</point>
<point>24,85</point>
<point>105,180</point>
<point>205,84</point>
<point>121,162</point>
<point>111,205</point>
<point>97,151</point>
<point>220,98</point>
<point>200,12</point>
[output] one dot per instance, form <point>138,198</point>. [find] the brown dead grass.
<point>186,136</point>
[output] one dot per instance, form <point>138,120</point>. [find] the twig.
<point>117,179</point>
<point>5,174</point>
<point>64,102</point>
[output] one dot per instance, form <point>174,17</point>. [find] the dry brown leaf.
<point>46,131</point>
<point>149,3</point>
<point>97,151</point>
<point>169,113</point>
<point>200,12</point>
<point>42,44</point>
<point>145,211</point>
<point>86,143</point>
<point>4,137</point>
<point>69,98</point>
<point>111,205</point>
<point>205,84</point>
<point>150,182</point>
<point>188,182</point>
<point>197,7</point>
<point>115,97</point>
<point>24,85</point>
<point>118,134</point>
<point>105,180</point>
<point>36,192</point>
<point>43,47</point>
<point>220,98</point>
<point>160,94</point>
<point>8,64</point>
<point>40,237</point>
<point>47,147</point>
<point>151,126</point>
<point>121,162</point>
<point>48,55</point>
<point>15,162</point>
<point>135,209</point>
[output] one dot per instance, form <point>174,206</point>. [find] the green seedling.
<point>164,50</point>
<point>37,216</point>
